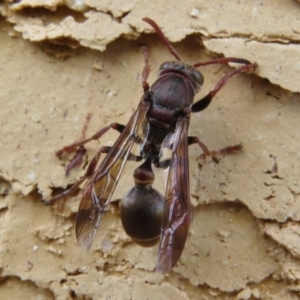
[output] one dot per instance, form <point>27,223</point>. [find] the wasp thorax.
<point>141,215</point>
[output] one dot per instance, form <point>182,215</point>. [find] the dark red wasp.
<point>160,127</point>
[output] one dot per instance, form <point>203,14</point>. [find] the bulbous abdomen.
<point>141,215</point>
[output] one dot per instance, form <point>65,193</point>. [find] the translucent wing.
<point>177,210</point>
<point>101,185</point>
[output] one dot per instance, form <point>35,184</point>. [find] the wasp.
<point>159,127</point>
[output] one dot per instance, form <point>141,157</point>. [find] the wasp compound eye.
<point>198,77</point>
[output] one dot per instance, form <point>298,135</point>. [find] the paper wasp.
<point>159,126</point>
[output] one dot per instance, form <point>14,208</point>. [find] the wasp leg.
<point>76,161</point>
<point>213,154</point>
<point>96,136</point>
<point>205,101</point>
<point>90,170</point>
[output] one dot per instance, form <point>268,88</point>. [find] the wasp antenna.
<point>162,37</point>
<point>223,60</point>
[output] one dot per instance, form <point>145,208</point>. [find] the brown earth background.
<point>61,61</point>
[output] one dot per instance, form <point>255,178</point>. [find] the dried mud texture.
<point>244,239</point>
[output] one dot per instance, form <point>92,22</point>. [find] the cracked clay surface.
<point>70,67</point>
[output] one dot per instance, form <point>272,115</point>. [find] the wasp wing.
<point>101,185</point>
<point>177,209</point>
